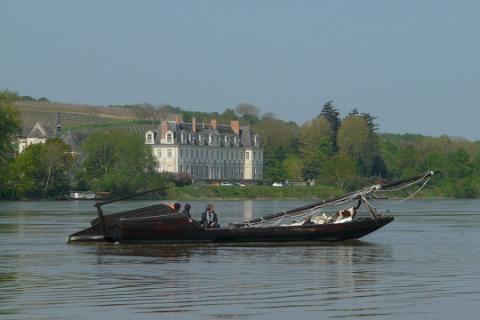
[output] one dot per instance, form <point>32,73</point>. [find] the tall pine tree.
<point>332,115</point>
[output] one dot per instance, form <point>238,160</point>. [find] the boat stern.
<point>91,234</point>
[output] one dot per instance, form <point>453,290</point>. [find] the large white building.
<point>207,151</point>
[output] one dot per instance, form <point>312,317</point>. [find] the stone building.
<point>38,134</point>
<point>207,151</point>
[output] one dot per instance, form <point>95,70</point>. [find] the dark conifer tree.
<point>332,115</point>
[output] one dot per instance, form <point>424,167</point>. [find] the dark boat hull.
<point>178,228</point>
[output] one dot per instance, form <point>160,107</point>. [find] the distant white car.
<point>240,184</point>
<point>277,184</point>
<point>226,184</point>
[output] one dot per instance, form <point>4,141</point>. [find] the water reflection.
<point>412,262</point>
<point>247,210</point>
<point>346,252</point>
<point>287,271</point>
<point>176,252</point>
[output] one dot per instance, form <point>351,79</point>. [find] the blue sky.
<point>414,64</point>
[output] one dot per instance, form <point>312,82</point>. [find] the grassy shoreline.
<point>258,192</point>
<point>196,192</point>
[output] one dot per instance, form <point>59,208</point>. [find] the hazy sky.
<point>414,64</point>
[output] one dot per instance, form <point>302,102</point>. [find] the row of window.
<point>212,154</point>
<point>217,172</point>
<point>212,140</point>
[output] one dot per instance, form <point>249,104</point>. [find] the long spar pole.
<point>99,204</point>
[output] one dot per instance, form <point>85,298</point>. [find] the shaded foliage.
<point>9,123</point>
<point>41,170</point>
<point>119,162</point>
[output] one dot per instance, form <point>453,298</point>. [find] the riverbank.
<point>267,192</point>
<point>198,192</point>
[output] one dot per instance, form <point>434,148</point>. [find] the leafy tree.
<point>269,115</point>
<point>293,167</point>
<point>227,116</point>
<point>276,133</point>
<point>9,123</point>
<point>316,145</point>
<point>9,127</point>
<point>41,170</point>
<point>57,160</point>
<point>243,109</point>
<point>342,171</point>
<point>273,158</point>
<point>356,140</point>
<point>118,162</point>
<point>25,174</point>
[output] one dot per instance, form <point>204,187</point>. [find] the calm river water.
<point>424,265</point>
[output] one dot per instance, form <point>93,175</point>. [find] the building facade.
<point>38,134</point>
<point>207,151</point>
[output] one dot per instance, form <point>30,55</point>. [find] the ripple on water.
<point>421,265</point>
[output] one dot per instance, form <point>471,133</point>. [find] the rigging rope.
<point>413,194</point>
<point>364,194</point>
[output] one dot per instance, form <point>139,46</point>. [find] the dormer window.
<point>149,137</point>
<point>210,139</point>
<point>226,141</point>
<point>169,137</point>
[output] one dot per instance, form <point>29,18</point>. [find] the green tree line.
<point>343,152</point>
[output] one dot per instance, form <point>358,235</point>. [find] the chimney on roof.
<point>164,128</point>
<point>213,124</point>
<point>235,126</point>
<point>178,120</point>
<point>194,125</point>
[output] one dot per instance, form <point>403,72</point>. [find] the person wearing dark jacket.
<point>209,218</point>
<point>186,210</point>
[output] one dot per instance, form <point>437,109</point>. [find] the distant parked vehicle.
<point>277,184</point>
<point>81,195</point>
<point>226,184</point>
<point>240,184</point>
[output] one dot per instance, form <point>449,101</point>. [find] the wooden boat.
<point>160,223</point>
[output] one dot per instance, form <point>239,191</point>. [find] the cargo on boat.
<point>161,223</point>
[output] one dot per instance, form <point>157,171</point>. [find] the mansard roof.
<point>246,136</point>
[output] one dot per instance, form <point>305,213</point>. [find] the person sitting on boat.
<point>209,218</point>
<point>186,210</point>
<point>175,207</point>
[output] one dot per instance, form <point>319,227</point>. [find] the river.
<point>424,265</point>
